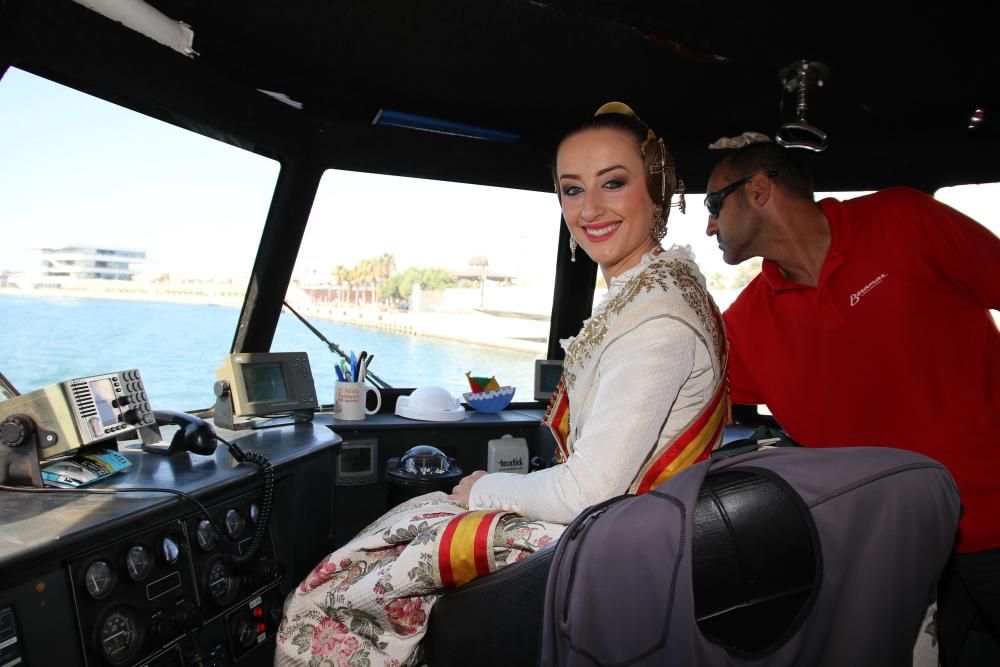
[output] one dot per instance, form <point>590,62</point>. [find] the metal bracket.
<point>800,77</point>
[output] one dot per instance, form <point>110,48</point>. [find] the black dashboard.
<point>152,578</point>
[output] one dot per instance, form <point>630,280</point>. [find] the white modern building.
<point>69,265</point>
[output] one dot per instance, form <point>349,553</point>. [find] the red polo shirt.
<point>895,347</point>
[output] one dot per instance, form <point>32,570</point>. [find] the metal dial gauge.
<point>119,637</point>
<point>235,523</point>
<point>220,582</point>
<point>207,537</point>
<point>169,550</point>
<point>138,562</point>
<point>99,579</point>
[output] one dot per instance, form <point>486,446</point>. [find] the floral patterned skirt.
<point>368,602</point>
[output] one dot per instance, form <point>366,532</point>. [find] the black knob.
<point>186,614</point>
<point>264,572</point>
<point>536,463</point>
<point>246,632</point>
<point>15,430</point>
<point>164,628</point>
<point>130,417</point>
<point>120,402</point>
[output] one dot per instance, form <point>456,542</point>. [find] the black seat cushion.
<point>755,567</point>
<point>755,561</point>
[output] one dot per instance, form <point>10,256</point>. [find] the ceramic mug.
<point>349,403</point>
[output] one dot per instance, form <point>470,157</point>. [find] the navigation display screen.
<point>265,382</point>
<point>355,459</point>
<point>550,376</point>
<point>104,392</point>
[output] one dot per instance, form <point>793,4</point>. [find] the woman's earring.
<point>659,227</point>
<point>572,249</point>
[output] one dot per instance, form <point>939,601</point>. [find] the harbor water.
<point>177,347</point>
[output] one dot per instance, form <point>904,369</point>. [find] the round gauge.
<point>254,513</point>
<point>234,523</point>
<point>207,537</point>
<point>169,550</point>
<point>220,582</point>
<point>138,562</point>
<point>119,636</point>
<point>100,579</point>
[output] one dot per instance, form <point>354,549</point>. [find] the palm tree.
<point>385,266</point>
<point>357,277</point>
<point>373,268</point>
<point>340,275</point>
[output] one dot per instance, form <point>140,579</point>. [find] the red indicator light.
<point>261,628</point>
<point>258,612</point>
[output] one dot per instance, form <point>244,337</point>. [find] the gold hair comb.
<point>662,168</point>
<point>616,107</point>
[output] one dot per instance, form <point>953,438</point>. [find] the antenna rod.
<point>376,380</point>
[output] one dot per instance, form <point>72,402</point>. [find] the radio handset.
<point>194,434</point>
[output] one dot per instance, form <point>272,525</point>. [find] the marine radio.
<point>68,415</point>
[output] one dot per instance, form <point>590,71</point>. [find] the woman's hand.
<point>460,494</point>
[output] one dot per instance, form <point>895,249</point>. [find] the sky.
<point>78,170</point>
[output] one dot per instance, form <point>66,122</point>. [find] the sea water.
<point>177,348</point>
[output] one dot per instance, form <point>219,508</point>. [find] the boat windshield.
<point>128,243</point>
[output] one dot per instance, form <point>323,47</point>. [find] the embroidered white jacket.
<point>643,366</point>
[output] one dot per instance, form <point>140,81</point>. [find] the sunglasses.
<point>713,200</point>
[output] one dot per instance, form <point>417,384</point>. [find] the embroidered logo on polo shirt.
<point>856,297</point>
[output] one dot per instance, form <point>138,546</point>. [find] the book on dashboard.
<point>83,468</point>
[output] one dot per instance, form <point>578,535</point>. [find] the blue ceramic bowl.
<point>490,401</point>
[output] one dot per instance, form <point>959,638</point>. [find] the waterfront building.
<point>69,265</point>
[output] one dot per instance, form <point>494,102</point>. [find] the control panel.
<point>10,644</point>
<point>357,462</point>
<point>106,405</point>
<point>242,597</point>
<point>173,594</point>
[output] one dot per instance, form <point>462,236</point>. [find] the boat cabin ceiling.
<point>905,98</point>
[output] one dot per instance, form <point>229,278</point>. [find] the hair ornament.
<point>661,167</point>
<point>616,107</point>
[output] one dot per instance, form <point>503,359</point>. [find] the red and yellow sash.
<point>693,444</point>
<point>557,419</point>
<point>465,549</point>
<point>465,546</point>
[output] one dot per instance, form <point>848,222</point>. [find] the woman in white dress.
<point>642,396</point>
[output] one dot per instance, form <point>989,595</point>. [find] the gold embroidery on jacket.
<point>656,275</point>
<point>700,302</point>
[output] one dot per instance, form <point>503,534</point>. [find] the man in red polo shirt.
<point>870,324</point>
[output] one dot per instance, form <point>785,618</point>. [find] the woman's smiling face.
<point>602,189</point>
